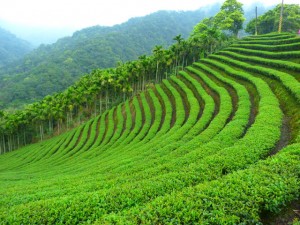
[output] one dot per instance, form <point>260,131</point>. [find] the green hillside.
<point>52,68</point>
<point>11,48</point>
<point>217,144</point>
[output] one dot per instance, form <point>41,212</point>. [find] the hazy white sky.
<point>83,13</point>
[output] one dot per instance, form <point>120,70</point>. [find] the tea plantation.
<point>217,144</point>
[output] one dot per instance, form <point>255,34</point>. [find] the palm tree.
<point>2,131</point>
<point>158,56</point>
<point>48,105</point>
<point>178,46</point>
<point>144,67</point>
<point>169,60</point>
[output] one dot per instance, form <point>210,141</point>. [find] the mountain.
<point>52,68</point>
<point>11,47</point>
<point>37,35</point>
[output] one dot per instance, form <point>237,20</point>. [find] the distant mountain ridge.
<point>52,68</point>
<point>11,47</point>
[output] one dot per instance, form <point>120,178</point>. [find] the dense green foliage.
<point>209,35</point>
<point>269,21</point>
<point>101,89</point>
<point>52,68</point>
<point>231,16</point>
<point>201,147</point>
<point>11,48</point>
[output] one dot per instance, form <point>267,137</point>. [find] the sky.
<point>66,16</point>
<point>83,13</point>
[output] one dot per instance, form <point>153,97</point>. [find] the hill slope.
<point>52,68</point>
<point>193,149</point>
<point>11,47</point>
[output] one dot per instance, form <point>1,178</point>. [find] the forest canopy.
<point>269,21</point>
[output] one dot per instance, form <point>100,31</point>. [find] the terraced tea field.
<point>217,144</point>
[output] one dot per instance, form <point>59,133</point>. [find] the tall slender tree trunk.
<point>4,144</point>
<point>18,140</point>
<point>95,108</point>
<point>71,116</point>
<point>100,102</point>
<point>12,142</point>
<point>24,136</point>
<point>58,126</point>
<point>9,142</point>
<point>100,105</point>
<point>156,74</point>
<point>67,120</point>
<point>49,125</point>
<point>132,85</point>
<point>41,132</point>
<point>106,100</point>
<point>141,83</point>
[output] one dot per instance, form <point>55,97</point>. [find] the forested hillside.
<point>52,68</point>
<point>11,47</point>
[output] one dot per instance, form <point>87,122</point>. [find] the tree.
<point>269,21</point>
<point>144,64</point>
<point>208,35</point>
<point>2,131</point>
<point>177,46</point>
<point>231,17</point>
<point>56,113</point>
<point>158,56</point>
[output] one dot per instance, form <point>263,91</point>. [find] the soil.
<point>184,98</point>
<point>163,108</point>
<point>132,112</point>
<point>209,91</point>
<point>285,136</point>
<point>172,100</point>
<point>151,105</point>
<point>196,94</point>
<point>124,120</point>
<point>285,217</point>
